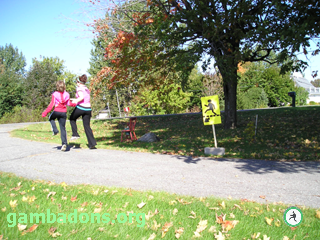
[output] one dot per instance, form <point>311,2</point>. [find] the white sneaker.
<point>74,138</point>
<point>64,148</point>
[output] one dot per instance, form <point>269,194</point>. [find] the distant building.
<point>300,81</point>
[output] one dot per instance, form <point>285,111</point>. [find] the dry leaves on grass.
<point>31,229</point>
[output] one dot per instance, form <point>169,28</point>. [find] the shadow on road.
<point>253,166</point>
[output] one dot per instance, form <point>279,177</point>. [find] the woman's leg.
<point>73,118</point>
<point>52,121</point>
<point>62,123</point>
<point>86,125</point>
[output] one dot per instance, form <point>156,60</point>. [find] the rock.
<point>149,137</point>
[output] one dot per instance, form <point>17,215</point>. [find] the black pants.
<point>86,116</point>
<point>62,117</point>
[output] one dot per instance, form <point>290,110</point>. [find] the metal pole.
<point>255,132</point>
<point>214,136</point>
<point>109,110</point>
<point>118,103</point>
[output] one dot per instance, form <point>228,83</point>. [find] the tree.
<point>10,91</point>
<point>230,32</point>
<point>12,60</point>
<point>316,83</point>
<point>268,77</point>
<point>237,31</point>
<point>40,83</point>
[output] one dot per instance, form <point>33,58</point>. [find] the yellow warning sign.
<point>211,110</point>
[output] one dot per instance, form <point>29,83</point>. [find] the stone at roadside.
<point>149,137</point>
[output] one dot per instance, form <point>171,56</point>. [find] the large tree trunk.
<point>230,94</point>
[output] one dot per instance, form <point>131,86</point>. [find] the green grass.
<point>287,134</point>
<point>35,196</point>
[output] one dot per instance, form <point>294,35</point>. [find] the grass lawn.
<point>286,134</point>
<point>129,214</point>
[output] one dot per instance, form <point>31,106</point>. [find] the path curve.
<point>296,183</point>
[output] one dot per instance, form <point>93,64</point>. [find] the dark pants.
<point>86,116</point>
<point>62,117</point>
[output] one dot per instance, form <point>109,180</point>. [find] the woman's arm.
<point>79,99</point>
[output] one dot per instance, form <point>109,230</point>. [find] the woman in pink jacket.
<point>83,109</point>
<point>59,100</point>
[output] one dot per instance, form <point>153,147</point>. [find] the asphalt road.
<point>295,183</point>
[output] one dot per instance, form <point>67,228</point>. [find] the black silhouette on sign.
<point>211,107</point>
<point>293,216</point>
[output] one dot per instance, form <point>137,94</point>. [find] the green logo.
<point>293,216</point>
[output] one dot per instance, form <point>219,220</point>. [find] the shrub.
<point>252,98</point>
<point>22,114</point>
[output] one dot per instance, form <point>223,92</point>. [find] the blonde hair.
<point>61,87</point>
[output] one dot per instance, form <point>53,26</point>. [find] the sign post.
<point>211,115</point>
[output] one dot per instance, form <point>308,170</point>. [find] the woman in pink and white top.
<point>83,109</point>
<point>59,100</point>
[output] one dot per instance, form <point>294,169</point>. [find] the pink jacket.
<point>59,101</point>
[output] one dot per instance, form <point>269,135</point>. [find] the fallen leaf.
<point>285,238</point>
<point>237,206</point>
<point>13,204</point>
<point>56,234</point>
<point>63,184</point>
<point>277,223</point>
<point>52,230</point>
<point>220,219</point>
<point>223,205</point>
<point>179,232</point>
<point>1,237</point>
<point>51,193</point>
<point>141,205</point>
<point>165,228</point>
<point>73,199</point>
<point>193,215</point>
<point>21,227</point>
<point>219,236</point>
<point>232,215</point>
<point>255,235</point>
<point>228,225</point>
<point>31,229</point>
<point>152,236</point>
<point>97,210</point>
<point>265,237</point>
<point>262,196</point>
<point>180,200</point>
<point>32,199</point>
<point>150,197</point>
<point>202,225</point>
<point>175,211</point>
<point>3,209</point>
<point>64,198</point>
<point>269,220</point>
<point>196,235</point>
<point>212,229</point>
<point>172,202</point>
<point>317,214</point>
<point>84,204</point>
<point>293,228</point>
<point>155,226</point>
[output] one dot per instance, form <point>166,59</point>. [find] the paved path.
<point>292,183</point>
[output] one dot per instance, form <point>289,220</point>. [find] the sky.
<point>54,28</point>
<point>47,28</point>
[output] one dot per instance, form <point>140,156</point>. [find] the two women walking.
<point>59,100</point>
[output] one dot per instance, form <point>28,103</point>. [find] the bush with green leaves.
<point>164,99</point>
<point>22,114</point>
<point>10,91</point>
<point>252,98</point>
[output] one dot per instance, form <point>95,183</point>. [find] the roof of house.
<point>302,82</point>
